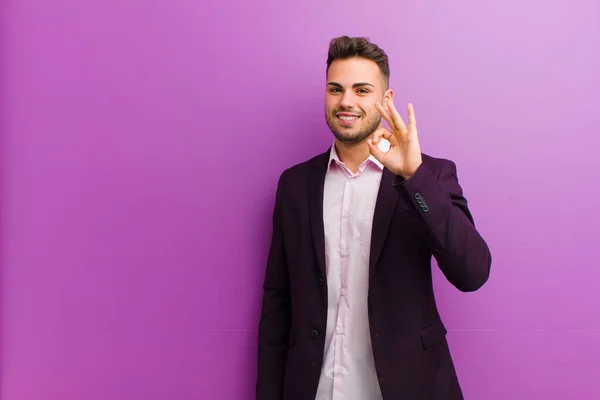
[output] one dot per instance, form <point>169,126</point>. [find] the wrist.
<point>406,175</point>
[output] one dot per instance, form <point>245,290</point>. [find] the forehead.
<point>352,70</point>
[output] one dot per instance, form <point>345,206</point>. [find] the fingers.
<point>373,148</point>
<point>373,143</point>
<point>376,151</point>
<point>398,122</point>
<point>412,121</point>
<point>393,117</point>
<point>381,133</point>
<point>394,120</point>
<point>386,115</point>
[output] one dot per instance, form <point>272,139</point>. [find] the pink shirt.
<point>348,371</point>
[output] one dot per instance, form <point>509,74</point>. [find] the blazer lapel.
<point>384,212</point>
<point>316,192</point>
<point>382,218</point>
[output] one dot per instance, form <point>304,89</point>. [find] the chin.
<point>349,138</point>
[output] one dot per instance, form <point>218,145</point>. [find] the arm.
<point>275,321</point>
<point>461,253</point>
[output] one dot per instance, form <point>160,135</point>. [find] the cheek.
<point>368,109</point>
<point>330,105</point>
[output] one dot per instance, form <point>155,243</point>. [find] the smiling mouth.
<point>347,119</point>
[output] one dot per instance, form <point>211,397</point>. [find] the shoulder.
<point>438,165</point>
<point>301,171</point>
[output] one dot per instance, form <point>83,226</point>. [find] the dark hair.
<point>345,47</point>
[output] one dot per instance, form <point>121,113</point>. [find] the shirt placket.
<point>339,369</point>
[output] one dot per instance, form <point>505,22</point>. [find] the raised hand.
<point>404,155</point>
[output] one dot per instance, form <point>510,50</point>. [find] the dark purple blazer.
<point>414,220</point>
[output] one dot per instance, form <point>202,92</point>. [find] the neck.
<point>352,154</point>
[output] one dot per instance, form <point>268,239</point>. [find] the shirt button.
<point>314,334</point>
<point>344,253</point>
<point>339,330</point>
<point>346,214</point>
<point>343,292</point>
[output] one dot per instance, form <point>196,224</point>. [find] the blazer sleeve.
<point>460,251</point>
<point>274,325</point>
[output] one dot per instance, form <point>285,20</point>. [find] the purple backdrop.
<point>141,146</point>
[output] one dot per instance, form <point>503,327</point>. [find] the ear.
<point>388,95</point>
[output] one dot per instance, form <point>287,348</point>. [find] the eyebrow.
<point>354,86</point>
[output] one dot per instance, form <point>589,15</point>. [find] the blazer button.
<point>320,281</point>
<point>314,334</point>
<point>418,196</point>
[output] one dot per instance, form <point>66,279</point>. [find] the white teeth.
<point>346,118</point>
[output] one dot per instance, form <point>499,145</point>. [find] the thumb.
<point>375,151</point>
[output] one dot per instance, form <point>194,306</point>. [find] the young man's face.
<point>353,87</point>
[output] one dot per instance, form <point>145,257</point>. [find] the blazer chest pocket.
<point>433,334</point>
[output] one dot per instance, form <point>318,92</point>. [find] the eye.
<point>335,90</point>
<point>363,91</point>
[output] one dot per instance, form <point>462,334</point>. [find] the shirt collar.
<point>333,156</point>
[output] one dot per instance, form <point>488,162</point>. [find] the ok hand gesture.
<point>404,156</point>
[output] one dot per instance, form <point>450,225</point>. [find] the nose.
<point>347,100</point>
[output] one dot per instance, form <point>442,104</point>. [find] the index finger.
<point>385,115</point>
<point>396,116</point>
<point>381,133</point>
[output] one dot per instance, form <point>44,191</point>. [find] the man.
<point>348,311</point>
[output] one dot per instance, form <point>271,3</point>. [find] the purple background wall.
<point>142,142</point>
